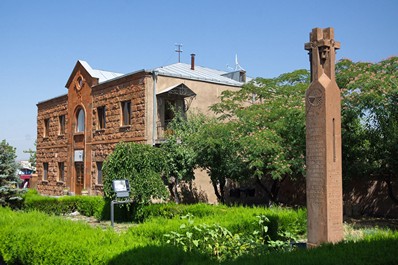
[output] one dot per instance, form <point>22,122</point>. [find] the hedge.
<point>85,205</point>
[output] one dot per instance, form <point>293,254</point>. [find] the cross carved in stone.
<point>322,50</point>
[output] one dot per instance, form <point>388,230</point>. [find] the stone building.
<point>78,130</point>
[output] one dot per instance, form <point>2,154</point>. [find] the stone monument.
<point>323,142</point>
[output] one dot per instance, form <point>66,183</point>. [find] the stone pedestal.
<point>323,142</point>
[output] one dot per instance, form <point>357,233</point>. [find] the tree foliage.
<point>142,165</point>
<point>370,119</point>
<point>9,192</point>
<point>268,122</point>
<point>179,152</point>
<point>217,153</point>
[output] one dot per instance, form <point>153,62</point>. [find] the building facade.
<point>78,130</point>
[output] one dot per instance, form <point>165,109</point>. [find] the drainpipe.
<point>155,107</point>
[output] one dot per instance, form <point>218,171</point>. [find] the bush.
<point>159,218</point>
<point>219,243</point>
<point>142,165</point>
<point>85,205</point>
<point>171,210</point>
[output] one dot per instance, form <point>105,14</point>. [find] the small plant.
<point>218,242</point>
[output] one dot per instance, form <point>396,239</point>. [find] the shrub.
<point>218,242</point>
<point>142,165</point>
<point>171,210</point>
<point>85,205</point>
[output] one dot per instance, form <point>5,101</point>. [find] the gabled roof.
<point>178,90</point>
<point>180,70</point>
<point>101,75</point>
<point>183,70</point>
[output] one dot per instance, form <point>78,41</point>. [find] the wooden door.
<point>79,184</point>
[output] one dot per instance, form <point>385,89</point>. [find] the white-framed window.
<point>80,119</point>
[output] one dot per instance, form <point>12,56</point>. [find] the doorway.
<point>79,184</point>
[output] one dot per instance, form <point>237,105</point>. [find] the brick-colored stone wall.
<point>111,97</point>
<point>51,148</point>
<point>105,139</point>
<point>96,143</point>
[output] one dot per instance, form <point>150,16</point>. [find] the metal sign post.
<point>122,190</point>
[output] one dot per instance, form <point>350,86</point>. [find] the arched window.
<point>80,120</point>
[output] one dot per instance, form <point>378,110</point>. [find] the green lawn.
<point>37,238</point>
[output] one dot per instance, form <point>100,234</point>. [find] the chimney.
<point>192,61</point>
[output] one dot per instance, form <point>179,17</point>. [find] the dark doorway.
<point>79,185</point>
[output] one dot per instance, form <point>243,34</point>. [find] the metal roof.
<point>180,90</point>
<point>102,76</point>
<point>183,70</point>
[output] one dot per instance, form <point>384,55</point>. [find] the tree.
<point>217,152</point>
<point>9,192</point>
<point>269,126</point>
<point>180,155</point>
<point>142,165</point>
<point>370,119</point>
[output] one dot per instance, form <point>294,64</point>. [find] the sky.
<point>41,41</point>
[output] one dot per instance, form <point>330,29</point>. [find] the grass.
<point>37,238</point>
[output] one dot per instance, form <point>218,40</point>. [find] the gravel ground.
<point>118,227</point>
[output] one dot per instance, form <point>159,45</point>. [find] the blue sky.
<point>40,42</point>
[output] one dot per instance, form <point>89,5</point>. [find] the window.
<point>126,113</point>
<point>101,117</point>
<point>80,81</point>
<point>61,171</point>
<point>99,173</point>
<point>171,108</point>
<point>80,121</point>
<point>46,127</point>
<point>45,171</point>
<point>61,124</point>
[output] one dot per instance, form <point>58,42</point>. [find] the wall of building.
<point>104,140</point>
<point>97,142</point>
<point>207,93</point>
<point>51,148</point>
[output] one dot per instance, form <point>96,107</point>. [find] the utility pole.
<point>178,50</point>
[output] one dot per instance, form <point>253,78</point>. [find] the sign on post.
<point>122,189</point>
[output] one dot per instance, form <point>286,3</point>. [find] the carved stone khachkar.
<point>323,142</point>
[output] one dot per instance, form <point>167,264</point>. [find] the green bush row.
<point>85,205</point>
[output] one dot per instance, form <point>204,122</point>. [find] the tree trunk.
<point>272,193</point>
<point>172,186</point>
<point>219,194</point>
<point>267,191</point>
<point>276,186</point>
